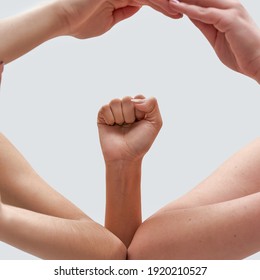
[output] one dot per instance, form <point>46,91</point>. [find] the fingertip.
<point>139,96</point>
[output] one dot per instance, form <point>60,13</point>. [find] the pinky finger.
<point>105,116</point>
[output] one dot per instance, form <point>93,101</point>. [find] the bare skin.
<point>77,18</point>
<point>229,29</point>
<point>120,125</point>
<point>216,220</point>
<point>37,219</point>
<point>81,19</point>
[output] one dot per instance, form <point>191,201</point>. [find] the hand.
<point>229,29</point>
<point>128,127</point>
<point>90,18</point>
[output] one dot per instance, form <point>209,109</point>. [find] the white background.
<point>50,98</point>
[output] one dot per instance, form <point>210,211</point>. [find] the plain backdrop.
<point>50,98</point>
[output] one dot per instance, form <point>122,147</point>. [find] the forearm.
<point>21,186</point>
<point>22,33</point>
<point>54,238</point>
<point>123,199</point>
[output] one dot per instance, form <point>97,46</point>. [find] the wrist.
<point>71,14</point>
<point>60,19</point>
<point>124,164</point>
<point>60,11</point>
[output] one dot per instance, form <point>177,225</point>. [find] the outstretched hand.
<point>128,127</point>
<point>229,29</point>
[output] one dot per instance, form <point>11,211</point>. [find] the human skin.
<point>121,125</point>
<point>218,219</point>
<point>230,30</point>
<point>77,18</point>
<point>37,219</point>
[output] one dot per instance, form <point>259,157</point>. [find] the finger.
<point>139,115</point>
<point>220,4</point>
<point>128,110</point>
<point>116,109</point>
<point>124,13</point>
<point>150,108</point>
<point>163,7</point>
<point>105,116</point>
<point>205,15</point>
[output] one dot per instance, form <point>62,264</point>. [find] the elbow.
<point>119,251</point>
<point>110,246</point>
<point>142,245</point>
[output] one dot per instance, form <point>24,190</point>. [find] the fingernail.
<point>175,1</point>
<point>139,101</point>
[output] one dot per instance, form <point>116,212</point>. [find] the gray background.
<point>51,96</point>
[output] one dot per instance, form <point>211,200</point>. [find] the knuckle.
<point>114,102</point>
<point>103,109</point>
<point>127,98</point>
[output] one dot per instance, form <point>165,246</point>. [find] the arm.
<point>78,18</point>
<point>42,222</point>
<point>229,29</point>
<point>21,186</point>
<point>55,238</point>
<point>218,219</point>
<point>222,231</point>
<point>123,199</point>
<point>127,129</point>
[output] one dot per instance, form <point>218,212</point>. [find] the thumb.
<point>124,13</point>
<point>150,107</point>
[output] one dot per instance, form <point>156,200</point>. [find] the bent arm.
<point>227,230</point>
<point>218,219</point>
<point>55,238</point>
